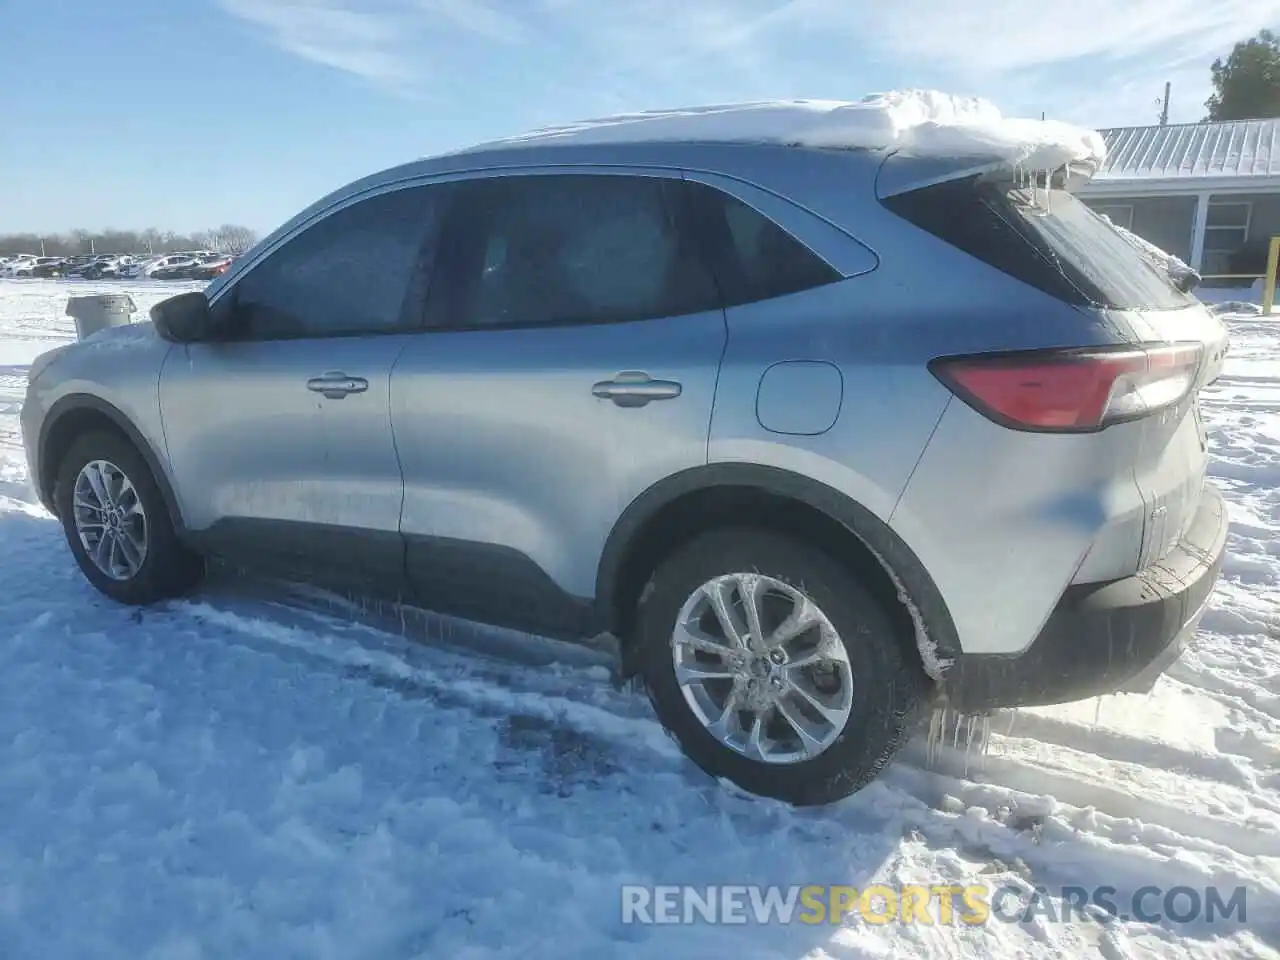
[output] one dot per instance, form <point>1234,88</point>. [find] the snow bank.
<point>920,122</point>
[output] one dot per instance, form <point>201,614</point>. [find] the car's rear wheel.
<point>773,667</point>
<point>117,524</point>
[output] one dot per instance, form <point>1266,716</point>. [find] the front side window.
<point>564,249</point>
<point>349,274</point>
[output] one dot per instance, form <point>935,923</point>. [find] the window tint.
<point>530,250</point>
<point>1046,238</point>
<point>754,258</point>
<point>348,274</point>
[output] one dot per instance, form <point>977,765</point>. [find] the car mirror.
<point>185,318</point>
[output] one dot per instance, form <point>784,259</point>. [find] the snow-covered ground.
<point>230,776</point>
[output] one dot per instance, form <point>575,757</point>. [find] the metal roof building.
<point>1208,192</point>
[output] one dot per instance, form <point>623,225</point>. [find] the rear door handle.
<point>335,385</point>
<point>635,388</point>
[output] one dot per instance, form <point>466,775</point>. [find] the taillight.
<point>1072,391</point>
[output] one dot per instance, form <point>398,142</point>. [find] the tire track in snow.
<point>1121,824</point>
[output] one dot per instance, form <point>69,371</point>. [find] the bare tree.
<point>234,239</point>
<point>227,238</point>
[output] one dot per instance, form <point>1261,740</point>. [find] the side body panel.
<point>272,472</point>
<point>1001,521</point>
<point>118,368</point>
<point>1005,520</point>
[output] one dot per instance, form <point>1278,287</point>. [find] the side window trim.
<point>450,247</point>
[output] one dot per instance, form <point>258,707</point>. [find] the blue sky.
<point>184,114</point>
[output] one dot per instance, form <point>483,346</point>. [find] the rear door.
<point>569,362</point>
<point>280,438</point>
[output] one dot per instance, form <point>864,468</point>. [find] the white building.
<point>1207,192</point>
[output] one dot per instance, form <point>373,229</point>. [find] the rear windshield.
<point>1046,238</point>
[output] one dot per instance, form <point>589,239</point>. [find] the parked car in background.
<point>86,268</point>
<point>694,395</point>
<point>203,269</point>
<point>19,266</point>
<point>48,267</point>
<point>174,268</point>
<point>146,267</point>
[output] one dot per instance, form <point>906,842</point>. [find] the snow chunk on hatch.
<point>919,122</point>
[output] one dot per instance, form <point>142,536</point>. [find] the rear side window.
<point>349,274</point>
<point>1046,238</point>
<point>754,258</point>
<point>536,250</point>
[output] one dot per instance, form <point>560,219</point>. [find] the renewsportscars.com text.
<point>941,904</point>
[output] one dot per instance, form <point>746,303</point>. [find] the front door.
<point>280,435</point>
<point>570,359</point>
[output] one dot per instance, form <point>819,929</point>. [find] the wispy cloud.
<point>998,36</point>
<point>1109,55</point>
<point>361,41</point>
<point>1092,53</point>
<point>478,17</point>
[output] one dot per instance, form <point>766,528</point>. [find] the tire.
<point>168,568</point>
<point>887,685</point>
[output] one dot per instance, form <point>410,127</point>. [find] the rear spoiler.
<point>903,173</point>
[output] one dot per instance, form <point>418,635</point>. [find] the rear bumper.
<point>1105,638</point>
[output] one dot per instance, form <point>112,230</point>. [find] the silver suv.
<point>822,436</point>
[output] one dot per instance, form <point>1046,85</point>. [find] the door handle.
<point>635,388</point>
<point>335,385</point>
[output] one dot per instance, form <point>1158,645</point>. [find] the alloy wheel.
<point>762,668</point>
<point>110,519</point>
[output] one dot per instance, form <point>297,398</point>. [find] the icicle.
<point>1097,711</point>
<point>968,743</point>
<point>935,736</point>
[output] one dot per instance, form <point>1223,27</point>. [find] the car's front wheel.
<point>774,667</point>
<point>117,524</point>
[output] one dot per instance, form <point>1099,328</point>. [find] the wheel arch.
<point>76,414</point>
<point>715,495</point>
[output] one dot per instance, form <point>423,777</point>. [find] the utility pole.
<point>1164,109</point>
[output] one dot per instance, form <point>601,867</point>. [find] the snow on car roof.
<point>919,122</point>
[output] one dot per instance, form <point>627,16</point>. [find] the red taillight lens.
<point>1072,391</point>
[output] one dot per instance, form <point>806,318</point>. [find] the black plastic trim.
<point>1100,637</point>
<point>496,585</point>
<point>369,562</point>
<point>901,563</point>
